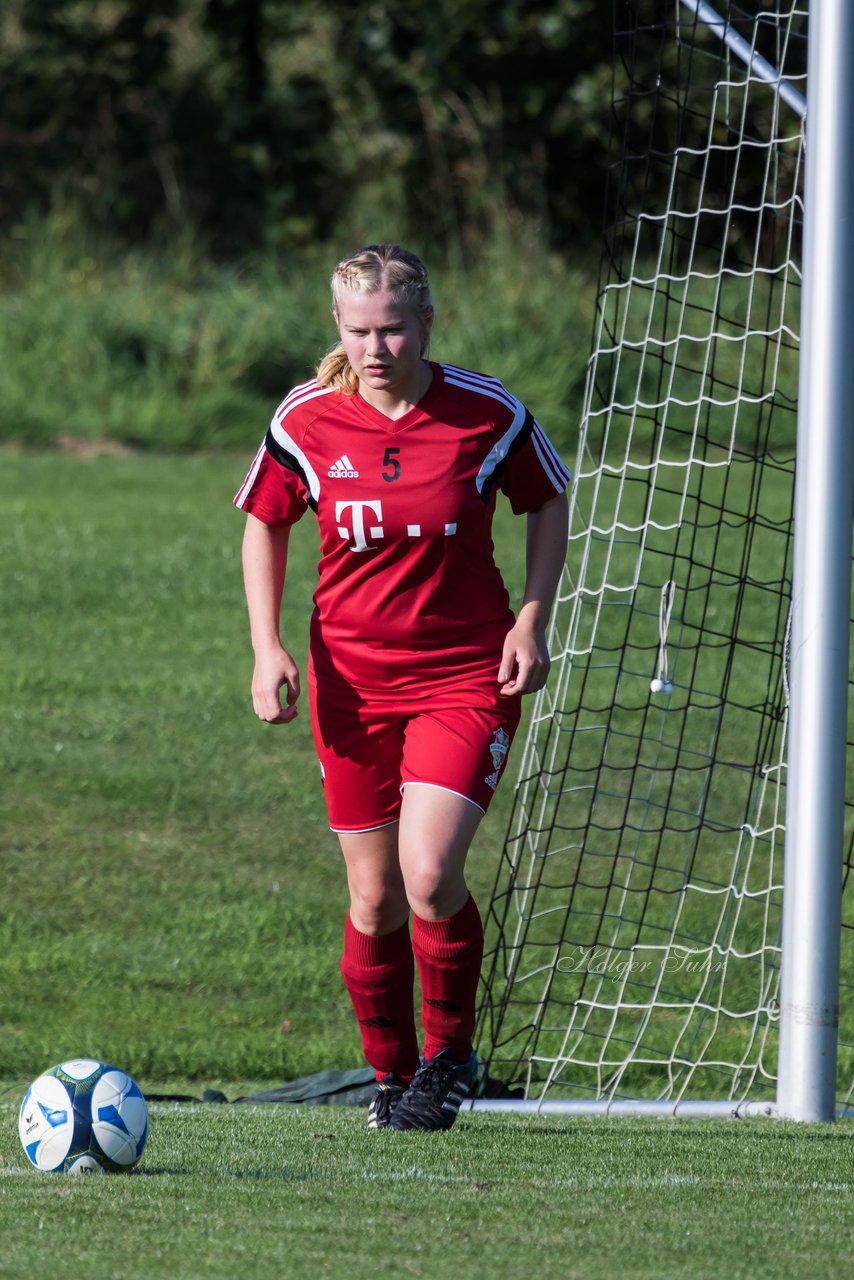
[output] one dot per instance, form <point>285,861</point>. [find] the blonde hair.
<point>372,269</point>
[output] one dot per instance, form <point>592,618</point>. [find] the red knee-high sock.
<point>449,955</point>
<point>379,973</point>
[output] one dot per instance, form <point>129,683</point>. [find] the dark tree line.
<point>273,122</point>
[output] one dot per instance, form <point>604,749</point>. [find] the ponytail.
<point>336,371</point>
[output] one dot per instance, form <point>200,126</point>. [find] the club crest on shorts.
<point>498,748</point>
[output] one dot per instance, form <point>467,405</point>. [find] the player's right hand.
<point>275,674</point>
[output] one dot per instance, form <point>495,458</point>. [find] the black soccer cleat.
<point>388,1093</point>
<point>434,1098</point>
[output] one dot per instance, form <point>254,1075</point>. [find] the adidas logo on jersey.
<point>343,469</point>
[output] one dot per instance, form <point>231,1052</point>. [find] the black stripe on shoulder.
<point>522,435</point>
<point>290,463</point>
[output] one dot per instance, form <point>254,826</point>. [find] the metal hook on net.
<point>661,682</point>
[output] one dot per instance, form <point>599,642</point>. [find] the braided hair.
<point>372,269</point>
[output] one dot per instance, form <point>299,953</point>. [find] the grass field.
<point>264,1192</point>
<point>177,899</point>
<point>173,902</point>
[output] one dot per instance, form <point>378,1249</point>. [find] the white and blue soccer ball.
<point>83,1117</point>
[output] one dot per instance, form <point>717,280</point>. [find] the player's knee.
<point>435,895</point>
<point>378,908</point>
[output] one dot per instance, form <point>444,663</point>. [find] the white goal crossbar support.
<point>824,485</point>
<point>756,64</point>
<point>649,1109</point>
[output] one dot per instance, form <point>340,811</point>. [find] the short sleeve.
<point>533,471</point>
<point>272,492</point>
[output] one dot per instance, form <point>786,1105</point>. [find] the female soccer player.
<point>417,664</point>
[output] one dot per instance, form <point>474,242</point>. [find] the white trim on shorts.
<point>361,831</point>
<point>450,790</point>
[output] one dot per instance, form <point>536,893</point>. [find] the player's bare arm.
<point>265,556</point>
<point>525,660</point>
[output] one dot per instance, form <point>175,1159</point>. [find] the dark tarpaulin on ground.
<point>350,1088</point>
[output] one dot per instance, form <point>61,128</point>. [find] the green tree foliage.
<point>273,121</point>
<point>154,110</point>
<point>488,109</point>
<point>85,106</point>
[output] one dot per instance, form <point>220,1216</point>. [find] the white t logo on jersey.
<point>360,542</point>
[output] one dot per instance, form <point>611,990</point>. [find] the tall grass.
<point>164,348</point>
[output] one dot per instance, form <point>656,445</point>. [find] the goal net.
<point>633,940</point>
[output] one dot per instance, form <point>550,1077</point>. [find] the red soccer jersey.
<point>409,594</point>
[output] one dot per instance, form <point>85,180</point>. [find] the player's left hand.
<point>525,660</point>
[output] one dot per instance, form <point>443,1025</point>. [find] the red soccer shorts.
<point>369,752</point>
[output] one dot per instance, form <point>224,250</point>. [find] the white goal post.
<point>809,992</point>
<point>664,932</point>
